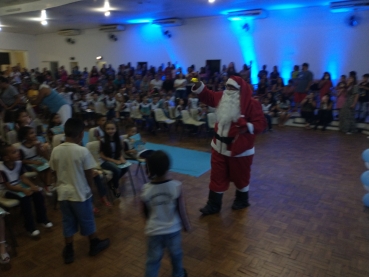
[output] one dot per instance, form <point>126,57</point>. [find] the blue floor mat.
<point>184,161</point>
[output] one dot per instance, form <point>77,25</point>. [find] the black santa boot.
<point>241,201</point>
<point>214,203</point>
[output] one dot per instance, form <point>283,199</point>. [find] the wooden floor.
<point>306,219</point>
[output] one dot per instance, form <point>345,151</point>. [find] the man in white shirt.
<point>156,83</point>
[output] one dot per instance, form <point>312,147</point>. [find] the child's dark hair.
<point>130,125</point>
<point>99,116</point>
<point>73,127</point>
<point>51,122</point>
<point>158,163</point>
<point>18,113</point>
<point>23,132</point>
<point>106,146</point>
<point>3,149</point>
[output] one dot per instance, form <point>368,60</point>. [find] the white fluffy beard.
<point>229,107</point>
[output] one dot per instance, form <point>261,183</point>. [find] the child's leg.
<point>101,190</point>
<point>39,204</point>
<point>173,243</point>
<point>26,208</point>
<point>4,256</point>
<point>154,255</point>
<point>115,170</point>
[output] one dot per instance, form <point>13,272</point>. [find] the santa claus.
<point>239,119</point>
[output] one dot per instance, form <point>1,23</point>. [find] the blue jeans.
<point>156,246</point>
<point>100,186</point>
<point>78,214</point>
<point>117,172</point>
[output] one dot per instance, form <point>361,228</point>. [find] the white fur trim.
<point>233,83</point>
<point>199,90</point>
<point>250,126</point>
<point>245,189</point>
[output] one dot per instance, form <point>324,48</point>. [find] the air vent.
<point>238,15</point>
<point>347,6</point>
<point>69,32</point>
<point>112,28</point>
<point>170,22</point>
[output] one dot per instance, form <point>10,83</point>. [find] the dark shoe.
<point>214,203</point>
<point>184,273</point>
<point>98,245</point>
<point>68,254</point>
<point>241,201</point>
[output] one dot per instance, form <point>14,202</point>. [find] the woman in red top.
<point>325,85</point>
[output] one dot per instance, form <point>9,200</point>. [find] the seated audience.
<point>325,116</point>
<point>308,106</point>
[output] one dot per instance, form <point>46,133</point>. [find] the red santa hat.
<point>245,92</point>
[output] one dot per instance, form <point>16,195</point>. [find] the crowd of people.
<point>26,95</point>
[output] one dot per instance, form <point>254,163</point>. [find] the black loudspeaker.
<point>4,58</point>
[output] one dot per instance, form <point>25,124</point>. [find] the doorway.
<point>54,67</point>
<point>213,66</point>
<point>73,65</point>
<point>100,64</point>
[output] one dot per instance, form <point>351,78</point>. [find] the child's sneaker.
<point>68,254</point>
<point>98,245</point>
<point>34,233</point>
<point>47,224</point>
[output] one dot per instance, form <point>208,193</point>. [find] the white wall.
<point>285,38</point>
<point>12,41</point>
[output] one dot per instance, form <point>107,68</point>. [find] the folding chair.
<point>91,135</point>
<point>189,121</point>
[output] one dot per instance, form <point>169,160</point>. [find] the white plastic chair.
<point>11,137</point>
<point>91,135</point>
<point>57,140</point>
<point>188,120</point>
<point>161,118</point>
<point>100,108</point>
<point>94,148</point>
<point>172,113</point>
<point>194,114</point>
<point>135,113</point>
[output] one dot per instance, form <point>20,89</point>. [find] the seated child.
<point>4,256</point>
<point>74,167</point>
<point>164,222</point>
<point>266,106</point>
<point>15,185</point>
<point>111,156</point>
<point>133,145</point>
<point>55,127</point>
<point>179,108</point>
<point>84,107</point>
<point>33,154</point>
<point>110,104</point>
<point>99,130</point>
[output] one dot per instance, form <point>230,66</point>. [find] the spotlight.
<point>106,8</point>
<point>99,58</point>
<point>44,22</point>
<point>113,37</point>
<point>70,41</point>
<point>107,13</point>
<point>211,1</point>
<point>353,21</point>
<point>246,27</point>
<point>167,34</point>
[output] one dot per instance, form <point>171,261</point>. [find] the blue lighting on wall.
<point>246,42</point>
<point>139,21</point>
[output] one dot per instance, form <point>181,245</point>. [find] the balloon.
<point>366,200</point>
<point>365,178</point>
<point>367,165</point>
<point>365,155</point>
<point>366,188</point>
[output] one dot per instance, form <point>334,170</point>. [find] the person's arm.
<point>122,160</point>
<point>257,122</point>
<point>89,177</point>
<point>41,95</point>
<point>181,207</point>
<point>16,102</point>
<point>206,96</point>
<point>105,158</point>
<point>24,161</point>
<point>29,183</point>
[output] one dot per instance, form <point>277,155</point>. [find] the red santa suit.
<point>233,144</point>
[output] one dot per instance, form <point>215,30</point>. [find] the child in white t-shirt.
<point>165,212</point>
<point>74,166</point>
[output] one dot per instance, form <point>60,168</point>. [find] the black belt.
<point>226,140</point>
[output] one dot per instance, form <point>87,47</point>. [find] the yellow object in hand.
<point>194,80</point>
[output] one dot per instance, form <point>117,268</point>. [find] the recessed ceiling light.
<point>107,13</point>
<point>44,22</point>
<point>211,1</point>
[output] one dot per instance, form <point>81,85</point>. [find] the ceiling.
<point>86,14</point>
